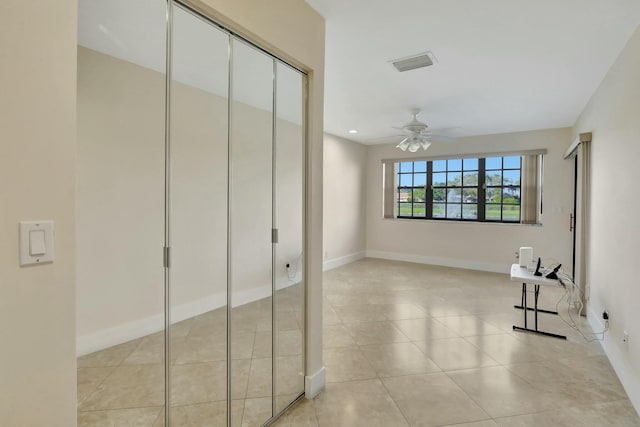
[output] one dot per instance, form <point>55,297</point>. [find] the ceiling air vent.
<point>420,60</point>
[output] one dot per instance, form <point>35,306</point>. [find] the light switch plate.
<point>36,237</point>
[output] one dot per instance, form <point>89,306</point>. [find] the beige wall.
<point>344,200</point>
<point>37,303</point>
<point>612,115</point>
<point>482,246</point>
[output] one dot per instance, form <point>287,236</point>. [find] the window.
<point>454,188</point>
<point>502,189</point>
<point>484,189</point>
<point>412,183</point>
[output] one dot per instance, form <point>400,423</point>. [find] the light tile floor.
<point>416,345</point>
<point>124,385</point>
<point>404,345</point>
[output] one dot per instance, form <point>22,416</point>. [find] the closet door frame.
<point>188,6</point>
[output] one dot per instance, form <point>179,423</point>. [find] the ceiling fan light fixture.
<point>404,144</point>
<point>425,144</point>
<point>418,134</point>
<point>413,143</point>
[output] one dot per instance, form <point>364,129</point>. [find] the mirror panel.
<point>236,305</point>
<point>119,211</point>
<point>198,220</point>
<point>251,222</point>
<point>289,253</point>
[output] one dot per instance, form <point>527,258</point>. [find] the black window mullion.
<point>413,186</point>
<point>428,192</point>
<point>398,215</point>
<point>445,189</point>
<point>502,192</point>
<point>482,192</point>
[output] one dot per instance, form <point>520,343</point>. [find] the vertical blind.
<point>580,153</point>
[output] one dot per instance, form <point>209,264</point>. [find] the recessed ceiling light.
<point>353,131</point>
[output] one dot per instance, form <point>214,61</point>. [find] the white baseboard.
<point>594,321</point>
<point>250,295</point>
<point>343,260</point>
<point>139,328</point>
<point>626,374</point>
<point>446,262</point>
<point>314,384</point>
<point>118,334</point>
<point>285,282</point>
<point>199,306</point>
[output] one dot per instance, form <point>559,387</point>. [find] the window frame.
<point>480,187</point>
<point>412,188</point>
<point>502,188</point>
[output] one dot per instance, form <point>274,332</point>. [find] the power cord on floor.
<point>574,302</point>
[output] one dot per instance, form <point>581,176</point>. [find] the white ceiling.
<point>503,65</point>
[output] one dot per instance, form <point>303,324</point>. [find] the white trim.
<point>594,321</point>
<point>139,328</point>
<point>284,281</point>
<point>199,306</point>
<point>314,384</point>
<point>250,295</point>
<point>571,151</point>
<point>343,260</point>
<point>447,262</point>
<point>119,334</point>
<point>619,361</point>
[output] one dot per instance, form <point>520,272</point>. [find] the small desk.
<point>524,276</point>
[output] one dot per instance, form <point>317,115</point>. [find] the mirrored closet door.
<point>251,208</point>
<point>120,198</point>
<point>191,147</point>
<point>288,200</point>
<point>197,221</point>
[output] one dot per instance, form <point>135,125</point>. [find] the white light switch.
<point>36,242</point>
<point>37,245</point>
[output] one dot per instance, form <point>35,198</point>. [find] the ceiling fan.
<point>418,134</point>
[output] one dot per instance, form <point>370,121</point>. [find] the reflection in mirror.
<point>119,212</point>
<point>289,217</point>
<point>198,222</point>
<point>251,222</point>
<point>225,198</point>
